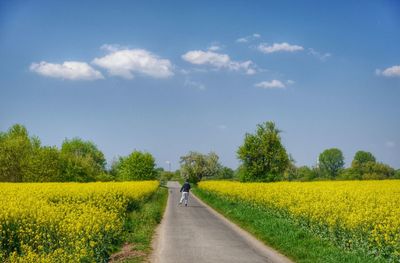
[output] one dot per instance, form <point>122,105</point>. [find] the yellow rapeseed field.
<point>354,211</point>
<point>65,222</point>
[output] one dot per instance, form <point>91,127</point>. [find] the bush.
<point>349,174</point>
<point>306,174</point>
<point>377,171</point>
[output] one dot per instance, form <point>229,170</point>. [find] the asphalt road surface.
<point>198,234</point>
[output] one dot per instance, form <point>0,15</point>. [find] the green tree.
<point>79,147</point>
<point>115,165</point>
<point>364,166</point>
<point>15,151</point>
<point>350,174</point>
<point>377,171</point>
<point>262,155</point>
<point>291,172</point>
<point>44,166</point>
<point>195,166</point>
<point>226,173</point>
<point>362,157</point>
<point>305,173</point>
<point>137,166</point>
<point>81,161</point>
<point>397,174</point>
<point>331,162</point>
<point>76,168</point>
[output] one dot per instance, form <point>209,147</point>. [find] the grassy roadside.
<point>140,225</point>
<point>281,233</point>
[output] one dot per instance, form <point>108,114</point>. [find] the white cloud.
<point>319,55</point>
<point>193,84</point>
<point>390,144</point>
<point>72,70</point>
<point>290,82</point>
<point>393,71</point>
<point>218,61</point>
<point>242,40</point>
<point>248,38</point>
<point>273,84</point>
<point>222,127</point>
<point>112,47</point>
<point>127,62</point>
<point>214,48</point>
<point>279,47</point>
<point>200,57</point>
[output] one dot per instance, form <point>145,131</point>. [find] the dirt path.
<point>198,234</point>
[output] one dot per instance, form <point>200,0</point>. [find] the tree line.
<point>24,159</point>
<point>262,156</point>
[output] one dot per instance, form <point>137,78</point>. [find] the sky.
<point>169,77</point>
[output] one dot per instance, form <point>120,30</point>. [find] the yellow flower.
<point>367,208</point>
<point>65,222</point>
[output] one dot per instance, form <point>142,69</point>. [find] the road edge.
<point>268,252</point>
<point>158,235</point>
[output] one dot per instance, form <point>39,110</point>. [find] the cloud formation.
<point>128,62</point>
<point>319,55</point>
<point>393,71</point>
<point>279,47</point>
<point>218,61</point>
<point>248,38</point>
<point>193,84</point>
<point>273,84</point>
<point>214,48</point>
<point>71,70</point>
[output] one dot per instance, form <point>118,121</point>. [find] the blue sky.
<point>170,77</point>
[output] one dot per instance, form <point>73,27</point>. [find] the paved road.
<point>198,234</point>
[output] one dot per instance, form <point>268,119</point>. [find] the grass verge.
<point>140,227</point>
<point>282,233</point>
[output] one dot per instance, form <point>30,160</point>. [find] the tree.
<point>376,171</point>
<point>77,168</point>
<point>15,151</point>
<point>195,166</point>
<point>115,165</point>
<point>81,160</point>
<point>364,166</point>
<point>362,157</point>
<point>291,172</point>
<point>79,147</point>
<point>226,173</point>
<point>331,162</point>
<point>397,174</point>
<point>262,155</point>
<point>137,166</point>
<point>44,166</point>
<point>306,174</point>
<point>350,174</point>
